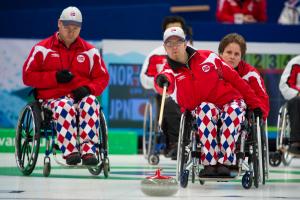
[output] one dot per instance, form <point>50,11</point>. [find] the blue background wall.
<point>133,19</point>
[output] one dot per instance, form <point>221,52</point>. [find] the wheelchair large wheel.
<point>283,129</point>
<point>27,141</point>
<point>103,148</point>
<point>148,131</point>
<point>182,174</point>
<point>259,154</point>
<point>256,142</point>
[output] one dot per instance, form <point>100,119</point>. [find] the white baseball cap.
<point>71,15</point>
<point>174,31</point>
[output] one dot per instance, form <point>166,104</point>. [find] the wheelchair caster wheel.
<point>96,171</point>
<point>47,167</point>
<point>153,159</point>
<point>247,180</point>
<point>106,167</point>
<point>275,159</point>
<point>184,179</point>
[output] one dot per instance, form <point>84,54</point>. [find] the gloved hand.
<point>64,76</point>
<point>80,92</point>
<point>161,80</point>
<point>257,112</point>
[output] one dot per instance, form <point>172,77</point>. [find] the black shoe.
<point>73,158</point>
<point>223,170</point>
<point>209,170</point>
<point>89,159</point>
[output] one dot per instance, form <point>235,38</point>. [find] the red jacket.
<point>206,78</point>
<point>253,78</point>
<point>227,8</point>
<point>51,55</point>
<point>289,85</point>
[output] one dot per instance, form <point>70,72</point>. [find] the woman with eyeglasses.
<point>201,82</point>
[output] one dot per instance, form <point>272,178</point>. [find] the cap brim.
<point>71,22</point>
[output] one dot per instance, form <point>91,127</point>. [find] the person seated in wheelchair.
<point>232,49</point>
<point>68,73</point>
<point>204,84</point>
<point>289,87</point>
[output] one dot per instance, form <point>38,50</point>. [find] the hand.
<point>64,76</point>
<point>257,112</point>
<point>80,92</point>
<point>161,80</point>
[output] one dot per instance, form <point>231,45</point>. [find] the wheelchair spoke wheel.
<point>27,141</point>
<point>286,158</point>
<point>103,133</point>
<point>148,130</point>
<point>180,149</point>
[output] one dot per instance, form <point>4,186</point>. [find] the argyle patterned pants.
<point>65,115</point>
<point>219,147</point>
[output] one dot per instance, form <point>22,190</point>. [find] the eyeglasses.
<point>174,43</point>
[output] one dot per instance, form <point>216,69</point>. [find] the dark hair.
<point>175,18</point>
<point>233,38</point>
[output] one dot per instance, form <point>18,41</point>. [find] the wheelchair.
<point>282,153</point>
<point>35,123</point>
<point>155,141</point>
<point>252,152</point>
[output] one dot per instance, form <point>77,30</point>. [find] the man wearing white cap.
<point>202,83</point>
<point>68,73</point>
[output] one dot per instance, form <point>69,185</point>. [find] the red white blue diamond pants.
<point>219,148</point>
<point>65,115</point>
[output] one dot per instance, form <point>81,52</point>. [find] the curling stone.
<point>159,185</point>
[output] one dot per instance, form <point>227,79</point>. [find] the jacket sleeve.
<point>288,81</point>
<point>153,64</point>
<point>99,76</point>
<point>256,82</point>
<point>223,13</point>
<point>33,75</point>
<point>231,76</point>
<point>171,78</point>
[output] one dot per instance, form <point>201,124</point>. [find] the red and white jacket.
<point>227,8</point>
<point>290,79</point>
<point>205,78</point>
<point>51,55</point>
<point>253,78</point>
<point>153,64</point>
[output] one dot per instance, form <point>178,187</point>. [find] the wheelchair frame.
<point>282,140</point>
<point>256,168</point>
<point>154,141</point>
<point>35,123</point>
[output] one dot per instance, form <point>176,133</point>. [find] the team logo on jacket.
<point>80,58</point>
<point>205,68</point>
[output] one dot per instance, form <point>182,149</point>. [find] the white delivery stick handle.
<point>162,106</point>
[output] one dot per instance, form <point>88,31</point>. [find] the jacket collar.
<point>175,65</point>
<point>75,45</point>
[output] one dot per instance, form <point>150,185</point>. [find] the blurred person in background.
<point>290,13</point>
<point>241,11</point>
<point>289,87</point>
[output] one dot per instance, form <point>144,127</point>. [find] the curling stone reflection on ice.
<point>159,185</point>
